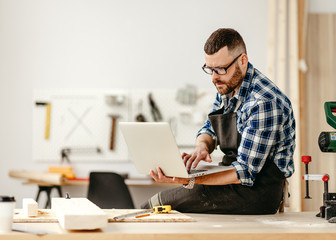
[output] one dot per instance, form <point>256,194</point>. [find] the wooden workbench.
<point>207,226</point>
<point>132,183</point>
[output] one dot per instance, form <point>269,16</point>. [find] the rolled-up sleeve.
<point>259,133</point>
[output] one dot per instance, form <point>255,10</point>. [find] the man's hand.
<point>193,159</point>
<point>160,177</point>
<point>203,147</point>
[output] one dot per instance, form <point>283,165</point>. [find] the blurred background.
<point>94,58</point>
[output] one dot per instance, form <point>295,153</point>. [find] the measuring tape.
<point>147,212</point>
<point>162,209</point>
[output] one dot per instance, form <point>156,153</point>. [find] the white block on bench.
<point>78,214</point>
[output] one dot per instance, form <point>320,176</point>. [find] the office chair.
<point>108,190</point>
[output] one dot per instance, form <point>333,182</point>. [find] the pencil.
<point>143,215</point>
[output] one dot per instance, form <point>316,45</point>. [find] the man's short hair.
<point>225,37</point>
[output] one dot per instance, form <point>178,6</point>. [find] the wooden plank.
<point>43,216</point>
<point>172,216</point>
<point>294,93</point>
<point>49,216</point>
<point>302,31</point>
<point>43,177</point>
<point>78,214</point>
<point>311,114</point>
<point>29,207</point>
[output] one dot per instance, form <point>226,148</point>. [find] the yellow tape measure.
<point>143,213</point>
<point>162,209</point>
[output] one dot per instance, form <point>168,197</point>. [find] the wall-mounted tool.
<point>327,140</point>
<point>156,114</point>
<point>115,100</point>
<point>113,130</point>
<point>47,122</point>
<point>306,160</point>
<point>65,152</point>
<point>140,117</point>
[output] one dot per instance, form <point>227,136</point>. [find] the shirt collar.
<point>243,90</point>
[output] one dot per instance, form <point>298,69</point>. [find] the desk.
<point>85,182</point>
<point>134,186</point>
<point>207,226</point>
<point>47,181</point>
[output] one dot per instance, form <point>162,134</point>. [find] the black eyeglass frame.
<point>215,69</point>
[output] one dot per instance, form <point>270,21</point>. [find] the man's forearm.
<point>205,141</point>
<point>221,178</point>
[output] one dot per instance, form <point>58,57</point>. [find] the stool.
<point>47,190</point>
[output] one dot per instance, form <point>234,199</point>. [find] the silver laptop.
<point>153,145</point>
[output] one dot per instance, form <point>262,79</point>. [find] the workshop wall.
<point>129,44</point>
<point>320,87</point>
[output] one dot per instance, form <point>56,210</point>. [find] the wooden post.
<point>282,43</point>
<point>293,90</point>
<point>272,26</point>
<point>302,31</point>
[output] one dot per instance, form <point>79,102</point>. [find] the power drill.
<point>327,140</point>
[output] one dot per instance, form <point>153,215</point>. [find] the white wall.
<point>105,44</point>
<point>322,6</point>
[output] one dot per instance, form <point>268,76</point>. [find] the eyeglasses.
<point>219,70</point>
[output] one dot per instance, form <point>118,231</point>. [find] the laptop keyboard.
<point>196,171</point>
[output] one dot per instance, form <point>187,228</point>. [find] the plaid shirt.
<point>266,123</point>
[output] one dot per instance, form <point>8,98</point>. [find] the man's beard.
<point>234,82</point>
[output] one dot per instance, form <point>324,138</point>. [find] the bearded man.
<point>253,124</point>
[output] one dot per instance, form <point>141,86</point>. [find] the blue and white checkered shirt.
<point>266,123</point>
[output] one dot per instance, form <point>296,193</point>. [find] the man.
<point>252,122</point>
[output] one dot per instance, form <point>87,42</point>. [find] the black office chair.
<point>108,190</point>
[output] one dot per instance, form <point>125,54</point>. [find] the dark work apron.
<point>263,197</point>
<point>228,138</point>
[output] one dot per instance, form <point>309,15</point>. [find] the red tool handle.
<point>325,178</point>
<point>306,159</point>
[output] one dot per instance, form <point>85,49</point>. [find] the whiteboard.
<point>81,120</point>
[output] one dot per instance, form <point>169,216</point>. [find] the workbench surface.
<point>207,226</point>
